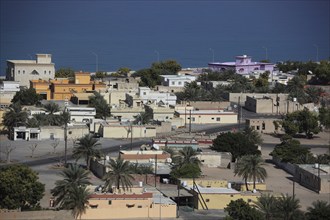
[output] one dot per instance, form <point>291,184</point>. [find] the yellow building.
<point>125,206</point>
<point>215,194</point>
<point>42,88</point>
<point>63,89</point>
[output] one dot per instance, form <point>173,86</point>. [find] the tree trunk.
<point>118,183</point>
<point>246,184</point>
<point>88,163</point>
<point>254,181</point>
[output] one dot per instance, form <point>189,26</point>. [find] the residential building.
<point>203,105</point>
<point>264,125</point>
<point>23,71</point>
<point>313,176</point>
<point>214,159</point>
<point>50,132</point>
<point>177,80</point>
<point>161,88</point>
<point>207,116</point>
<point>174,144</point>
<point>147,96</point>
<point>144,205</point>
<point>42,88</point>
<point>240,98</point>
<point>215,194</point>
<point>81,98</point>
<point>122,84</point>
<point>81,114</point>
<point>160,112</point>
<point>145,156</point>
<point>272,104</point>
<point>243,65</point>
<point>126,113</point>
<point>8,90</point>
<point>210,85</point>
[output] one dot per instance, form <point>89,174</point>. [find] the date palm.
<point>14,117</point>
<point>266,204</point>
<point>250,168</point>
<point>288,206</point>
<point>71,177</point>
<point>320,210</point>
<point>87,148</point>
<point>77,201</point>
<point>52,108</point>
<point>119,174</point>
<point>187,155</point>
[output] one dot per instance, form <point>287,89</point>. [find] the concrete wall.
<point>124,131</point>
<point>57,132</point>
<point>164,127</point>
<point>205,182</point>
<point>199,118</point>
<point>263,125</point>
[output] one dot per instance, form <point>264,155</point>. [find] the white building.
<point>207,116</point>
<point>177,80</point>
<point>23,71</point>
<point>148,96</point>
<point>81,114</point>
<point>8,90</point>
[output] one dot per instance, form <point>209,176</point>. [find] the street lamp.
<point>317,52</point>
<point>266,51</point>
<point>212,54</point>
<point>157,55</point>
<point>96,62</point>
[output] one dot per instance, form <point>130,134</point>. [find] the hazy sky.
<point>128,33</point>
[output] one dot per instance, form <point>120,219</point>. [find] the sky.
<point>107,35</point>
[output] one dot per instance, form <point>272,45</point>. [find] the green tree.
<point>51,118</point>
<point>262,82</point>
<point>187,155</point>
<point>141,168</point>
<point>189,170</point>
<point>314,94</point>
<point>250,167</point>
<point>167,67</point>
<point>320,210</point>
<point>123,71</point>
<point>73,176</point>
<point>20,188</point>
<point>64,73</point>
<point>193,92</point>
<point>253,135</point>
<point>324,116</point>
<point>301,121</point>
<point>100,75</point>
<point>119,174</point>
<point>290,151</point>
<point>295,87</point>
<point>77,200</point>
<point>149,77</point>
<point>144,117</point>
<point>235,143</point>
<point>288,207</point>
<point>14,117</point>
<point>239,209</point>
<point>87,148</point>
<point>101,106</point>
<point>27,97</point>
<point>322,72</point>
<point>266,204</point>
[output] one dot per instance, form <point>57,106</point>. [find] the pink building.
<point>243,65</point>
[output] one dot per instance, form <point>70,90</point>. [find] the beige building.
<point>215,194</point>
<point>144,205</point>
<point>126,113</point>
<point>240,98</point>
<point>126,131</point>
<point>145,156</point>
<point>207,116</point>
<point>263,125</point>
<point>214,159</point>
<point>25,70</point>
<point>161,113</point>
<point>57,132</point>
<point>204,105</point>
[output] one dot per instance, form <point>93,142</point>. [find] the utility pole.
<point>189,121</point>
<point>239,111</point>
<point>178,203</point>
<point>131,135</point>
<point>155,170</point>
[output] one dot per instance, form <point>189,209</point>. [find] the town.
<point>234,140</point>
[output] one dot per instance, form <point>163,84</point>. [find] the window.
<point>263,126</point>
<point>50,72</point>
<point>45,71</point>
<point>212,118</point>
<point>144,93</point>
<point>193,119</point>
<point>180,83</point>
<point>258,128</point>
<point>19,71</point>
<point>173,83</point>
<point>139,206</point>
<point>207,200</point>
<point>70,132</point>
<point>110,202</point>
<point>23,71</point>
<point>218,118</point>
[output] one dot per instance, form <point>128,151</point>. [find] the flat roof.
<point>83,95</point>
<point>121,196</point>
<point>214,190</point>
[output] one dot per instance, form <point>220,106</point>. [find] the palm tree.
<point>187,155</point>
<point>77,200</point>
<point>266,204</point>
<point>296,87</point>
<point>14,117</point>
<point>119,175</point>
<point>253,136</point>
<point>250,168</point>
<point>320,210</point>
<point>72,176</point>
<point>87,149</point>
<point>287,206</point>
<point>52,108</point>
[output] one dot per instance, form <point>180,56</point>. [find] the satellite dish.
<point>156,146</point>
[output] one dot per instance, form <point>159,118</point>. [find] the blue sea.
<point>113,34</point>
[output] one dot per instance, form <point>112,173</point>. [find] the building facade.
<point>177,80</point>
<point>243,65</point>
<point>207,116</point>
<point>23,71</point>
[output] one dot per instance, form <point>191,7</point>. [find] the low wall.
<point>288,167</point>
